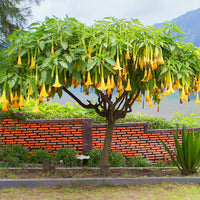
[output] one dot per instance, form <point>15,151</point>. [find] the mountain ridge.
<point>190,24</point>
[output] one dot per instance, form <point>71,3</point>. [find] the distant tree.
<point>13,15</point>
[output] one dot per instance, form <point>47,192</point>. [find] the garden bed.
<point>86,172</point>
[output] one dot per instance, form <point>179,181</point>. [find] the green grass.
<point>141,191</point>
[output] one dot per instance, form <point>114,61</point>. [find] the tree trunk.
<point>104,161</point>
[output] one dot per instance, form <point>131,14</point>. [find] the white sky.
<point>148,12</point>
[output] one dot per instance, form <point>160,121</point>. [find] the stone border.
<point>32,183</point>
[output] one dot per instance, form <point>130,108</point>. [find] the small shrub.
<point>95,156</point>
<point>138,161</point>
<point>68,155</point>
<point>38,156</point>
<point>13,154</point>
<point>116,159</point>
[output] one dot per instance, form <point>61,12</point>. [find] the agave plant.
<point>187,157</point>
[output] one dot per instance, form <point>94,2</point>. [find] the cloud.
<point>147,11</point>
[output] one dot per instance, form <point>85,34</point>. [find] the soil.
<point>84,172</point>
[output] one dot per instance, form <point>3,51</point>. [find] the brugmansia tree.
<point>121,61</point>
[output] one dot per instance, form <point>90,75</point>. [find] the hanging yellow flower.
<point>32,62</point>
<point>57,83</point>
<point>166,93</point>
<point>183,95</point>
<point>117,67</point>
<point>43,92</point>
<point>128,87</point>
<point>112,81</point>
<point>5,107</point>
<point>127,57</point>
<point>109,91</point>
<point>3,97</point>
<point>145,76</point>
<point>159,96</point>
<point>150,104</point>
<point>102,85</point>
<point>88,82</point>
<point>138,99</point>
<point>120,87</point>
<point>36,109</point>
<point>19,62</point>
<point>197,98</point>
<point>21,101</point>
<point>149,74</point>
<point>52,50</point>
<point>148,96</point>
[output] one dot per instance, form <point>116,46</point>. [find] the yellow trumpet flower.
<point>52,50</point>
<point>120,87</point>
<point>166,93</point>
<point>88,82</point>
<point>112,81</point>
<point>159,96</point>
<point>19,62</point>
<point>171,90</point>
<point>150,104</point>
<point>108,83</point>
<point>43,92</point>
<point>36,109</point>
<point>117,67</point>
<point>21,101</point>
<point>145,75</point>
<point>128,87</point>
<point>138,99</point>
<point>30,90</point>
<point>40,99</point>
<point>197,98</point>
<point>148,96</point>
<point>102,85</point>
<point>156,53</point>
<point>183,95</point>
<point>3,97</point>
<point>109,91</point>
<point>32,62</point>
<point>11,97</point>
<point>57,84</point>
<point>127,57</point>
<point>149,74</point>
<point>5,107</point>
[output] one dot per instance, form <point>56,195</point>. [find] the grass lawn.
<point>142,191</point>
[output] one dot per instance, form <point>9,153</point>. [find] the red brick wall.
<point>51,134</point>
<point>131,139</point>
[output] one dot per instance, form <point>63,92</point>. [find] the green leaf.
<point>77,76</point>
<point>68,58</point>
<point>44,76</point>
<point>109,68</point>
<point>110,60</point>
<point>63,64</point>
<point>42,45</point>
<point>64,45</point>
<point>12,82</point>
<point>3,79</point>
<point>46,62</point>
<point>91,64</point>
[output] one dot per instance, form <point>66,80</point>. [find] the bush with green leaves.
<point>116,159</point>
<point>138,161</point>
<point>94,160</point>
<point>67,155</point>
<point>49,110</point>
<point>14,154</point>
<point>187,157</point>
<point>38,156</point>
